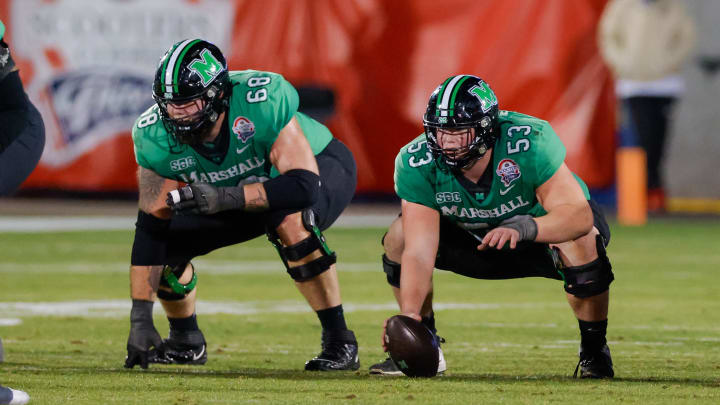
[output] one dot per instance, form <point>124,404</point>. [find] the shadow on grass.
<point>361,374</point>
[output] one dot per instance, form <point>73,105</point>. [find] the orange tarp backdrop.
<point>381,58</point>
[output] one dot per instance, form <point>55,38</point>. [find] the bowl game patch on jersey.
<point>243,128</point>
<point>508,171</point>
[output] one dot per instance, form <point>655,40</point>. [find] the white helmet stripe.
<point>446,95</point>
<point>171,64</point>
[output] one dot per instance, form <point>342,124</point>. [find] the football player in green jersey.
<point>486,194</point>
<point>253,165</point>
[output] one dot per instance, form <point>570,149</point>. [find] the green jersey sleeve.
<point>286,101</point>
<point>552,150</point>
<point>413,174</point>
<point>140,141</point>
<point>277,107</point>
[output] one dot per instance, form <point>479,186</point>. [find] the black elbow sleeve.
<point>294,189</point>
<point>150,244</point>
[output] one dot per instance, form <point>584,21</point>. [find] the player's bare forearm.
<point>564,222</point>
<point>415,283</point>
<point>421,235</point>
<point>144,282</point>
<point>152,188</point>
<point>152,191</point>
<point>255,198</point>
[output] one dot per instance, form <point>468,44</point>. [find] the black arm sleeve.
<point>295,189</point>
<point>150,244</point>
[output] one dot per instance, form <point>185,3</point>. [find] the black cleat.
<point>339,352</point>
<point>595,365</point>
<point>388,367</point>
<point>187,347</point>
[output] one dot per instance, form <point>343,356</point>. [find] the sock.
<point>592,335</point>
<point>332,318</point>
<point>429,322</point>
<point>184,324</point>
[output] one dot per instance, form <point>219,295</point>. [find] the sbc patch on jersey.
<point>508,171</point>
<point>243,128</point>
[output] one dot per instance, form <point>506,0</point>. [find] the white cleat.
<point>442,366</point>
<point>9,396</point>
<point>19,397</point>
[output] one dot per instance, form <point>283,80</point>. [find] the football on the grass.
<point>412,346</point>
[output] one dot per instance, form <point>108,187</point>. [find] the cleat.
<point>187,347</point>
<point>389,368</point>
<point>598,365</point>
<point>9,396</point>
<point>339,352</point>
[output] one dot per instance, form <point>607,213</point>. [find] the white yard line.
<point>121,308</point>
<point>10,321</point>
<point>111,223</point>
<point>11,311</point>
<point>202,267</point>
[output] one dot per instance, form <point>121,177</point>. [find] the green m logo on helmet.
<point>486,96</point>
<point>207,67</point>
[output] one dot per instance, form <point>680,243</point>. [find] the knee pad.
<point>592,278</point>
<point>316,241</point>
<point>169,279</point>
<point>392,271</point>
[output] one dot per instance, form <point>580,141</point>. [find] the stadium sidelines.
<point>116,223</point>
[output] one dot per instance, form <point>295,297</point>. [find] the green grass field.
<point>507,341</point>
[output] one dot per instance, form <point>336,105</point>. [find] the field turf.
<point>64,310</point>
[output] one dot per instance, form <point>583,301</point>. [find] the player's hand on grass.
<point>512,230</point>
<point>144,340</point>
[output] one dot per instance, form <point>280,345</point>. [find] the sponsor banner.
<point>88,65</point>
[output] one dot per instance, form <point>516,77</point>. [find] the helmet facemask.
<point>193,129</point>
<point>462,102</point>
<point>476,144</point>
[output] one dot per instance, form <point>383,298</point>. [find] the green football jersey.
<point>261,104</point>
<point>526,154</point>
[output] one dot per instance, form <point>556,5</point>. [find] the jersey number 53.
<point>413,161</point>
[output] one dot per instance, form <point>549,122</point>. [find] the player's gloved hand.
<point>144,340</point>
<point>515,229</point>
<point>204,199</point>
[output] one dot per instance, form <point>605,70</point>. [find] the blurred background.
<point>366,68</point>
